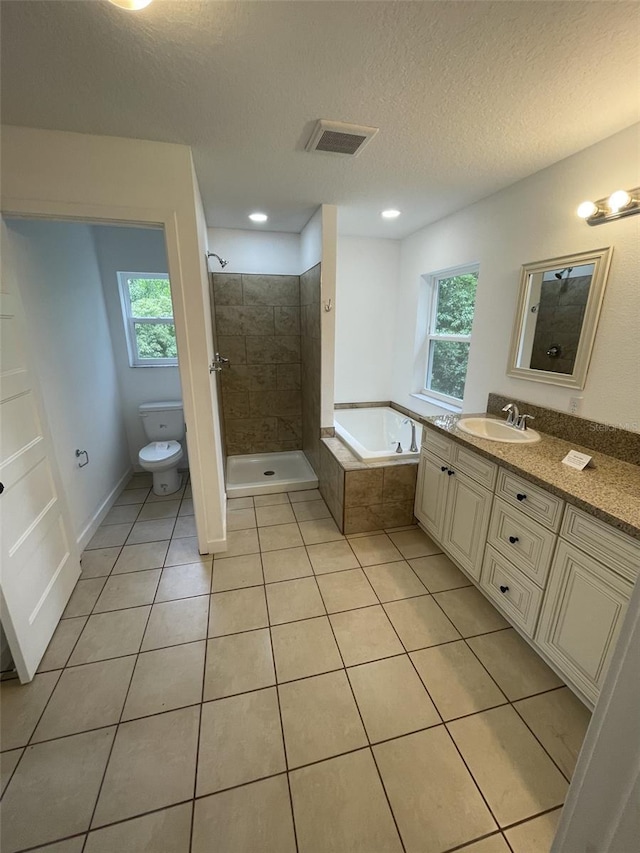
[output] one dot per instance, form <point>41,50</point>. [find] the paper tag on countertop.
<point>576,460</point>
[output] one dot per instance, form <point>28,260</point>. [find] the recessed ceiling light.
<point>390,214</point>
<point>258,217</point>
<point>131,5</point>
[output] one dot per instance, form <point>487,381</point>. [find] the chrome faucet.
<point>521,422</point>
<point>514,414</point>
<point>399,447</point>
<point>414,446</point>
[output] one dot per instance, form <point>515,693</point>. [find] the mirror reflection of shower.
<point>223,263</point>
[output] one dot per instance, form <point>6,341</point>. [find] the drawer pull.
<point>504,589</point>
<point>513,539</point>
<point>443,468</point>
<point>450,472</point>
<point>521,497</point>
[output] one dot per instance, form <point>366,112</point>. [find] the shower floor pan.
<point>267,473</point>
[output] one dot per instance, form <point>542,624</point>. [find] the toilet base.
<point>166,482</point>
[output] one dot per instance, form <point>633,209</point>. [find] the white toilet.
<point>164,427</point>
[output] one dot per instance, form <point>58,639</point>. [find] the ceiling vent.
<point>336,137</point>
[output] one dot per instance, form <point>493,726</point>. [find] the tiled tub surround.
<point>257,321</point>
<point>304,692</point>
<point>310,348</point>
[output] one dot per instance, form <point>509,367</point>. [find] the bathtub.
<point>373,434</point>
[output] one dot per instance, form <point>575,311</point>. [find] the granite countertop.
<point>609,491</point>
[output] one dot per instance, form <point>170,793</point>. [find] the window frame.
<point>130,321</point>
<point>431,335</point>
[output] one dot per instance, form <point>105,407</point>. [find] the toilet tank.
<point>163,421</point>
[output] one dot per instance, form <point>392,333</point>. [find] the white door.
<point>466,522</point>
<point>40,563</point>
<point>431,493</point>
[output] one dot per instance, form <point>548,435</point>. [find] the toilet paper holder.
<point>80,453</point>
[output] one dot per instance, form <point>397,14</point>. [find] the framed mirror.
<point>557,316</point>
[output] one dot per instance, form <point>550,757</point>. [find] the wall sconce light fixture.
<point>618,204</point>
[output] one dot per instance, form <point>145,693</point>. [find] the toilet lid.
<point>157,451</point>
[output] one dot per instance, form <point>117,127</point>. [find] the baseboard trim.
<point>99,516</point>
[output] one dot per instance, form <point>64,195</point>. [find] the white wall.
<point>533,220</point>
<point>133,250</point>
<point>266,252</point>
<point>366,301</point>
<point>70,341</point>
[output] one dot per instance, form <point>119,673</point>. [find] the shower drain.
<point>269,473</point>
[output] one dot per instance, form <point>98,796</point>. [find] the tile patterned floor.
<point>302,692</point>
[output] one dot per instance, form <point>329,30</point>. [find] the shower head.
<point>221,261</point>
<point>567,270</point>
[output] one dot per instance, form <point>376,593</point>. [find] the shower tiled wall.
<point>311,353</point>
<point>257,320</point>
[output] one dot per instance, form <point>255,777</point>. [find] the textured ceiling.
<point>469,96</point>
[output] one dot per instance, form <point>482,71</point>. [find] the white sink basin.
<point>494,430</point>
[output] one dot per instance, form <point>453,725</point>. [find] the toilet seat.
<point>160,452</point>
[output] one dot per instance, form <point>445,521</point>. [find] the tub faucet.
<point>513,415</point>
<point>398,448</point>
<point>414,446</point>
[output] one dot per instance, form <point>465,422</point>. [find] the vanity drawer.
<point>513,591</point>
<point>437,443</point>
<point>474,466</point>
<point>615,549</point>
<point>530,499</point>
<point>527,544</point>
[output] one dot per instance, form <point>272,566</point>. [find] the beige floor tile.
<point>238,610</point>
<point>130,590</point>
<point>185,526</point>
<point>365,534</point>
<point>240,741</point>
<point>515,775</point>
<point>279,536</point>
<point>433,797</point>
<point>456,680</point>
<point>310,510</point>
<point>304,648</point>
<point>492,844</point>
<point>8,763</point>
<point>332,557</point>
<point>109,536</point>
<point>320,530</point>
<point>166,679</point>
<point>236,572</point>
<point>186,507</point>
<point>267,516</point>
<point>187,491</point>
<point>420,622</point>
<point>139,558</point>
<point>61,645</point>
<point>140,480</point>
<point>70,845</point>
<point>373,550</point>
<point>239,503</point>
<point>111,635</point>
<point>339,805</point>
<point>391,698</point>
<point>174,622</point>
<point>184,581</point>
<point>54,789</point>
<point>365,635</point>
<point>470,611</point>
<point>320,718</point>
<point>86,697</point>
<point>514,665</point>
<point>438,573</point>
<point>166,831</point>
<point>534,836</point>
<point>84,597</point>
<point>159,510</point>
<point>152,765</point>
<point>122,514</point>
<point>346,590</point>
<point>172,496</point>
<point>185,550</point>
<point>271,500</point>
<point>240,542</point>
<point>414,543</point>
<point>559,720</point>
<point>286,565</point>
<point>241,519</point>
<point>292,600</point>
<point>393,581</point>
<point>305,495</point>
<point>21,706</point>
<point>98,563</point>
<point>255,817</point>
<point>238,663</point>
<point>132,496</point>
<point>151,531</point>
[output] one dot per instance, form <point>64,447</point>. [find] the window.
<point>148,319</point>
<point>453,297</point>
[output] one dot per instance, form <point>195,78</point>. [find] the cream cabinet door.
<point>431,493</point>
<point>466,522</point>
<point>582,612</point>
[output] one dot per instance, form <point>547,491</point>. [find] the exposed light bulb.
<point>390,214</point>
<point>587,209</point>
<point>618,200</point>
<point>258,217</point>
<point>131,5</point>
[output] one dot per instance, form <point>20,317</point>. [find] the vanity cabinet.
<point>466,519</point>
<point>431,493</point>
